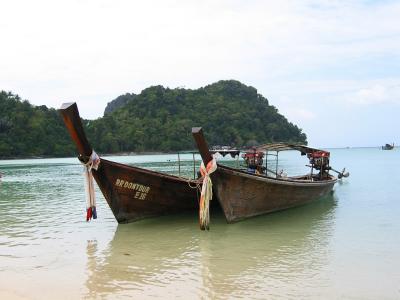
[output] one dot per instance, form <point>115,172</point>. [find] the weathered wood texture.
<point>243,195</point>
<point>72,121</point>
<point>132,193</point>
<point>201,143</point>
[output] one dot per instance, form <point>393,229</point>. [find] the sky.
<point>331,67</point>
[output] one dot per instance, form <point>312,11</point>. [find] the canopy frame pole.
<point>179,165</point>
<point>194,166</point>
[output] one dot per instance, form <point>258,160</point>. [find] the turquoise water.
<point>344,246</point>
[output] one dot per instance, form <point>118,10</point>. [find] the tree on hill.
<point>160,119</point>
<point>118,102</point>
<point>27,130</point>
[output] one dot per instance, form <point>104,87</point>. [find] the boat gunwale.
<point>281,181</point>
<point>151,172</point>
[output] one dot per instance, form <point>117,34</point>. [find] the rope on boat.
<point>196,183</point>
<point>206,193</point>
<point>93,163</point>
<point>196,186</point>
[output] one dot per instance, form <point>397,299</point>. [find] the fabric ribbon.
<point>206,193</point>
<point>93,163</point>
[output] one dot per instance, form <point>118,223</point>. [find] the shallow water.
<point>346,245</point>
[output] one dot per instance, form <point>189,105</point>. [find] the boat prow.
<point>132,193</point>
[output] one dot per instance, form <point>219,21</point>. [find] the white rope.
<point>93,163</point>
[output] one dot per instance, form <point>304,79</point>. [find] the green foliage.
<point>160,119</point>
<point>117,103</point>
<point>27,130</point>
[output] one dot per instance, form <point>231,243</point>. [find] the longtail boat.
<point>388,147</point>
<point>254,191</point>
<point>132,193</point>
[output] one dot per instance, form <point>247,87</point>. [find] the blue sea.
<point>344,246</point>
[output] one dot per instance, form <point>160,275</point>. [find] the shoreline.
<point>131,153</point>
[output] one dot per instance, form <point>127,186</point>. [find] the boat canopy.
<point>232,152</point>
<point>285,147</point>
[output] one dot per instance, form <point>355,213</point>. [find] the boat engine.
<point>254,161</point>
<point>319,160</point>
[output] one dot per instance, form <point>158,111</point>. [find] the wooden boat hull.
<point>134,193</point>
<point>242,195</point>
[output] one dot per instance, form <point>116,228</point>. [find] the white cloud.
<point>377,94</point>
<point>296,53</point>
<point>297,115</point>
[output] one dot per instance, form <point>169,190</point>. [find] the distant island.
<point>158,119</point>
<point>31,131</point>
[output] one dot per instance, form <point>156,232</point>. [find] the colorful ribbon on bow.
<point>206,193</point>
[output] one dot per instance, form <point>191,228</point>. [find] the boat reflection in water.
<point>285,253</point>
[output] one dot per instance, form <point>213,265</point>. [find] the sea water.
<point>346,245</point>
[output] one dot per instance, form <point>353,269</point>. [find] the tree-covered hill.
<point>118,102</point>
<point>160,119</point>
<point>27,130</point>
